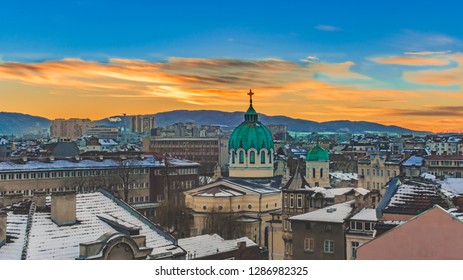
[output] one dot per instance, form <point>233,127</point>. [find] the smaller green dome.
<point>317,154</point>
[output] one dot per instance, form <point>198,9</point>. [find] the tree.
<point>125,173</point>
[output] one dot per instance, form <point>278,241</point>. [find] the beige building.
<point>241,204</point>
<point>70,129</point>
<point>233,208</point>
<point>360,230</point>
<point>376,170</point>
<point>142,124</point>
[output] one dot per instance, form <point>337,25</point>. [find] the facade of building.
<point>319,235</point>
<point>447,166</point>
<point>71,129</point>
<point>376,170</point>
<point>142,124</point>
<point>144,177</point>
<point>206,151</point>
<point>103,132</point>
<point>360,231</point>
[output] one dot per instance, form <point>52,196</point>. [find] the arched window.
<point>262,157</point>
<point>252,157</point>
<point>233,157</point>
<point>313,172</point>
<point>241,157</point>
<point>321,172</point>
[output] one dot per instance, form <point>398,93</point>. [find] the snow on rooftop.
<point>207,245</point>
<point>16,231</point>
<point>49,241</point>
<point>344,176</point>
<point>413,161</point>
<point>453,185</point>
<point>366,214</point>
<point>333,214</point>
<point>428,176</point>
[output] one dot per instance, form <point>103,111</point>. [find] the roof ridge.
<point>30,217</point>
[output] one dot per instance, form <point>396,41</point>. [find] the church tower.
<point>251,147</point>
<point>317,167</point>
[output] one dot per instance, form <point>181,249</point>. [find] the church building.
<point>240,205</point>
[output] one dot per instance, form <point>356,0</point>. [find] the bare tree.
<point>125,173</point>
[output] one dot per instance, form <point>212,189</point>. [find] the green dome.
<point>251,134</point>
<point>317,154</point>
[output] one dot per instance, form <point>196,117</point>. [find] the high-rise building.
<point>142,124</point>
<point>70,129</point>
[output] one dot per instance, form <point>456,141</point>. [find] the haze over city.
<point>393,63</point>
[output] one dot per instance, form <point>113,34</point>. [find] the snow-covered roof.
<point>333,214</point>
<point>62,164</point>
<point>107,142</point>
<point>344,176</point>
<point>219,191</point>
<point>366,214</point>
<point>453,185</point>
<point>49,241</point>
<point>415,197</point>
<point>428,176</point>
<point>414,161</point>
<point>3,141</point>
<point>207,245</point>
<point>16,230</point>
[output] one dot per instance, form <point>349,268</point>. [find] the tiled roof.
<point>49,241</point>
<point>413,198</point>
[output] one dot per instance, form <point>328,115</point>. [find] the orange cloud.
<point>78,88</point>
<point>411,60</point>
<point>441,77</point>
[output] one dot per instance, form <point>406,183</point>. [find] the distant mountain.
<point>231,120</point>
<point>17,123</point>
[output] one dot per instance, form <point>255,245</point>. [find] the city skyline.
<point>392,63</point>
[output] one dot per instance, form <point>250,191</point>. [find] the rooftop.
<point>207,245</point>
<point>332,214</point>
<point>97,213</point>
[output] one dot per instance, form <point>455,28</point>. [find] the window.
<point>321,172</point>
<point>328,246</point>
<point>328,228</point>
<point>291,200</point>
<point>288,248</point>
<point>299,201</point>
<point>354,246</point>
<point>241,157</point>
<point>354,225</point>
<point>252,157</point>
<point>309,244</point>
<point>313,172</point>
<point>233,157</point>
<point>262,157</point>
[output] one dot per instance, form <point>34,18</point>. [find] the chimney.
<point>39,199</point>
<point>63,208</point>
<point>3,216</point>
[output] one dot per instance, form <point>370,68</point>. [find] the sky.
<point>391,62</point>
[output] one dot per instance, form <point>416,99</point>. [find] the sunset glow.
<point>412,78</point>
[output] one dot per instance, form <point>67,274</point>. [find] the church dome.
<point>317,153</point>
<point>251,133</point>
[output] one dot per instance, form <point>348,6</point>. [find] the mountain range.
<point>17,123</point>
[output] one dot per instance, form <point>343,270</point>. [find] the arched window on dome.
<point>233,156</point>
<point>270,157</point>
<point>241,157</point>
<point>252,157</point>
<point>313,172</point>
<point>321,172</point>
<point>262,157</point>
